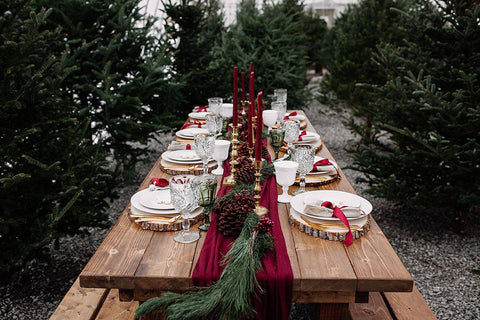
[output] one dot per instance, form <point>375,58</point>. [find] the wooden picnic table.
<point>142,263</point>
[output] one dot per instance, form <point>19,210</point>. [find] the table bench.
<point>100,304</point>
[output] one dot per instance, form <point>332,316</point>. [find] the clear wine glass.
<point>285,172</point>
<point>185,199</point>
<point>204,147</point>
<point>292,130</point>
<point>215,105</point>
<point>304,155</point>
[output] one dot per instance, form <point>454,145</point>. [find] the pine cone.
<point>232,213</point>
<point>243,151</point>
<point>245,172</point>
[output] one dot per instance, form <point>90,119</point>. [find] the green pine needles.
<point>230,297</point>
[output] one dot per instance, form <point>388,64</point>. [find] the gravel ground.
<point>439,260</point>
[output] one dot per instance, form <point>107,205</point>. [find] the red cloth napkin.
<point>292,114</point>
<point>275,276</point>
<point>302,134</point>
<point>338,213</point>
<point>186,125</point>
<point>323,162</point>
<point>200,108</point>
<point>159,182</point>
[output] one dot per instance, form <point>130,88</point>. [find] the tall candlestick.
<point>235,97</point>
<point>251,94</point>
<point>243,87</point>
<point>259,127</point>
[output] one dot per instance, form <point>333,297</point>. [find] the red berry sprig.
<point>264,225</point>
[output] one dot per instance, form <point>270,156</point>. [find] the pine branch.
<point>228,298</point>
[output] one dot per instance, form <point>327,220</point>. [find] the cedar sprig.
<point>231,296</point>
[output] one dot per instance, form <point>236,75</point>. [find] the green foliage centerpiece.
<point>242,262</point>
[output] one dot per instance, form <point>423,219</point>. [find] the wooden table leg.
<point>330,311</point>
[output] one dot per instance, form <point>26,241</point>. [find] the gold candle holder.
<point>243,108</point>
<point>250,152</point>
<point>230,180</point>
<point>259,210</point>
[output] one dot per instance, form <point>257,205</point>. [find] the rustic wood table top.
<point>143,263</point>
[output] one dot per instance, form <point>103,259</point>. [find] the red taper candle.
<point>235,96</point>
<point>250,126</point>
<point>251,94</point>
<point>251,66</point>
<point>243,86</point>
<point>259,127</point>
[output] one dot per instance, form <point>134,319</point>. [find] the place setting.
<point>194,159</point>
<point>330,214</point>
<point>154,208</point>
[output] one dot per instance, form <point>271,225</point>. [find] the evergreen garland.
<point>220,301</point>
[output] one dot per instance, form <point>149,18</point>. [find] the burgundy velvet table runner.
<point>275,275</point>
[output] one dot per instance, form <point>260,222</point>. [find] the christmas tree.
<point>124,81</point>
<point>273,38</point>
<point>352,42</point>
<point>191,28</point>
<point>52,176</point>
<point>425,144</point>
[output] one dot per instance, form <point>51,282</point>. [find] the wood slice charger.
<point>314,180</point>
<point>162,227</point>
<point>176,169</point>
<point>324,231</point>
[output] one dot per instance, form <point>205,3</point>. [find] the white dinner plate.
<point>198,115</point>
<point>158,199</point>
<point>333,225</point>
<point>141,209</point>
<point>339,198</point>
<point>299,117</point>
<point>189,133</point>
<point>328,169</point>
<point>166,156</point>
<point>310,136</point>
<point>184,155</point>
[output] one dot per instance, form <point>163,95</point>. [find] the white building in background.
<point>327,9</point>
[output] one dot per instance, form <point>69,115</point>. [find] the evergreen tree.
<point>124,80</point>
<point>315,30</point>
<point>353,40</point>
<point>52,176</point>
<point>425,146</point>
<point>192,27</point>
<point>272,38</point>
